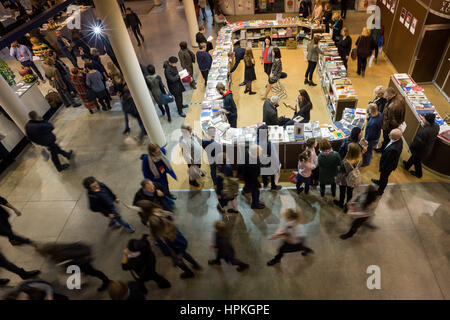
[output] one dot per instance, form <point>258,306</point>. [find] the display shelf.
<point>254,32</point>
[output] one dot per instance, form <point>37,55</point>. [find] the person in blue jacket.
<point>156,166</point>
<point>373,132</point>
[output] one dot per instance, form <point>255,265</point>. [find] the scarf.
<point>151,164</point>
<point>327,152</point>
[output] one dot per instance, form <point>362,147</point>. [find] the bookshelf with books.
<point>253,33</point>
<point>417,105</point>
<point>337,88</point>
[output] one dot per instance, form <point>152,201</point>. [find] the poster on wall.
<point>403,16</point>
<point>388,4</point>
<point>413,26</point>
<point>408,20</point>
<point>394,4</point>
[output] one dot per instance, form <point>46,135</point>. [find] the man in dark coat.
<point>229,106</point>
<point>154,192</point>
<point>422,144</point>
<point>132,21</point>
<point>200,38</point>
<point>252,171</point>
<point>5,226</point>
<point>270,112</point>
<point>65,46</point>
<point>102,199</point>
<point>140,260</point>
<point>389,159</point>
<point>40,132</point>
<point>4,263</point>
<point>174,83</point>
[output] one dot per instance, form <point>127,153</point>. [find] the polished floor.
<point>411,243</point>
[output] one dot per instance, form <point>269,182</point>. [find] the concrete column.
<point>109,13</point>
<point>12,104</point>
<point>191,19</point>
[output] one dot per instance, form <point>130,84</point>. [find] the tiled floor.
<point>411,244</point>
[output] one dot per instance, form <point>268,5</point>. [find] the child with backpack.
<point>224,248</point>
<point>349,176</point>
<point>305,168</point>
<point>102,199</point>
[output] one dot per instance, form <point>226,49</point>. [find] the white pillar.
<point>191,19</point>
<point>12,104</point>
<point>109,13</point>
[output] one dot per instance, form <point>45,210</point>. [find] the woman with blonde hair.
<point>379,100</point>
<point>364,47</point>
<point>336,24</point>
<point>349,176</point>
<point>312,57</point>
<point>318,11</point>
<point>249,74</point>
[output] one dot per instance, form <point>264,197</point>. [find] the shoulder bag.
<point>167,98</point>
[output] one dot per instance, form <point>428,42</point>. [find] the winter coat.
<point>313,52</point>
<point>365,46</point>
<point>270,114</point>
<point>154,83</point>
<point>328,167</point>
<point>393,115</point>
<point>424,141</point>
<point>40,132</point>
<point>173,79</point>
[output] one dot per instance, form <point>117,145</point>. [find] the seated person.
<point>303,106</point>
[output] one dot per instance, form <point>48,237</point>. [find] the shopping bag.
<point>194,172</point>
<point>354,54</point>
<point>167,98</point>
<point>371,59</point>
<point>293,177</point>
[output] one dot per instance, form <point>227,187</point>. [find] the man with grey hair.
<point>270,113</point>
<point>389,159</point>
<point>154,192</point>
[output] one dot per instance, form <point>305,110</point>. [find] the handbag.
<point>194,172</point>
<point>53,98</point>
<point>354,54</point>
<point>167,98</point>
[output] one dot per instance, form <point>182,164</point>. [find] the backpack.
<point>53,99</point>
<point>230,186</point>
<point>354,178</point>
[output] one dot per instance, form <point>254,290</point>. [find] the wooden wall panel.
<point>402,43</point>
